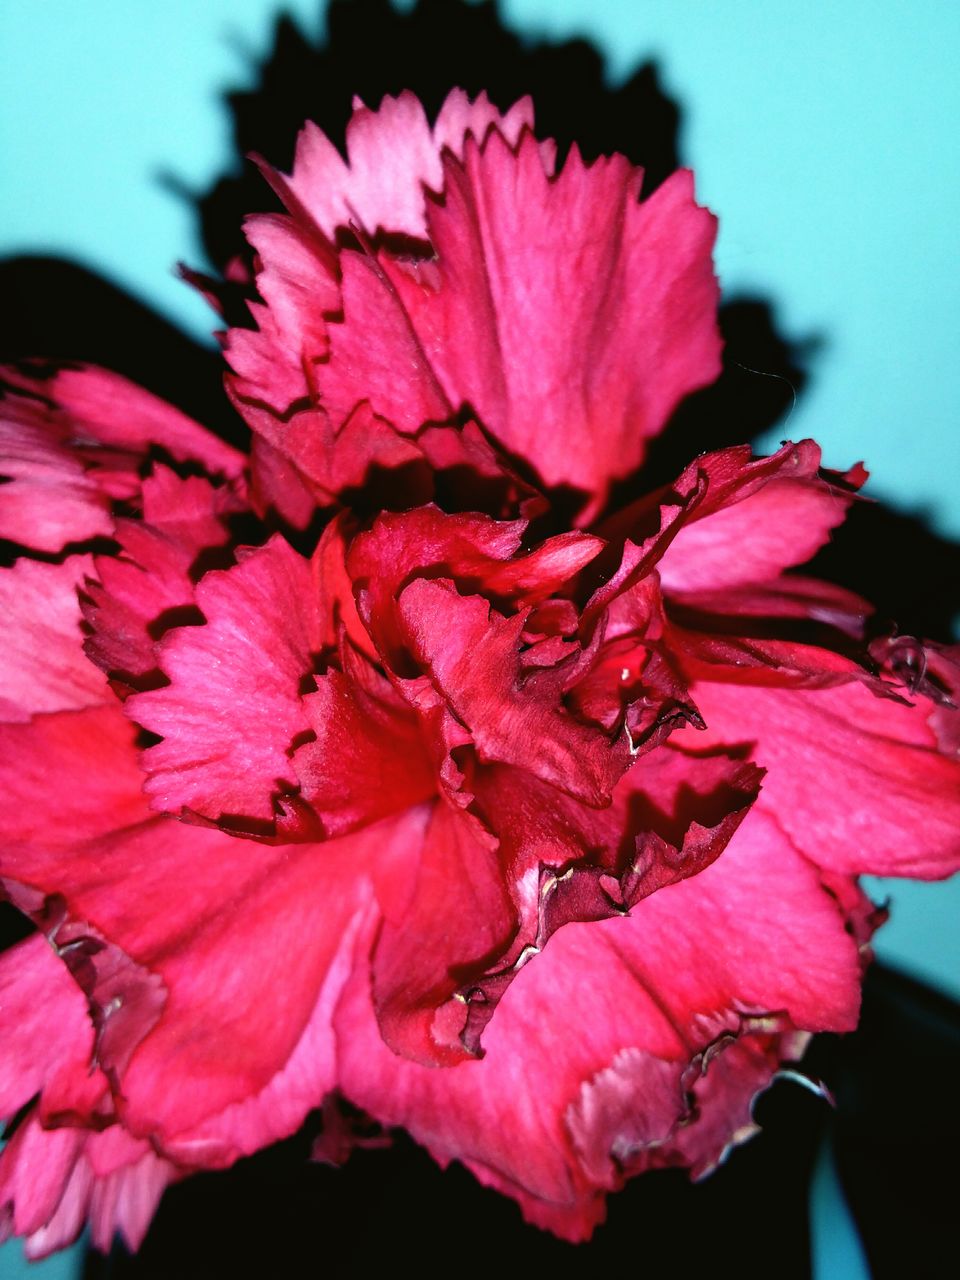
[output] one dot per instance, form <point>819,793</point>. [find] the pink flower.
<point>393,763</point>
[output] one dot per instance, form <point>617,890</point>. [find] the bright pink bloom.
<point>540,842</point>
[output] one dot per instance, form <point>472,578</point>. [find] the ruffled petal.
<point>472,654</point>
<point>757,518</point>
<point>660,987</point>
<point>149,587</point>
<point>233,708</point>
<point>51,1186</point>
<point>203,958</point>
<point>423,342</point>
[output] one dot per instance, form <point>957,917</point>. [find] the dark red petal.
<point>472,655</point>
<point>367,758</point>
<point>326,461</point>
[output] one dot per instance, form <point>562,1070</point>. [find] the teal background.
<point>823,134</point>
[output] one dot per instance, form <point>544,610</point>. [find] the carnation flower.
<point>404,761</point>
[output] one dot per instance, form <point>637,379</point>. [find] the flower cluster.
<point>393,762</point>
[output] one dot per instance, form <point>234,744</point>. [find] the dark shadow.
<point>59,310</point>
<point>394,1212</point>
<point>900,565</point>
<point>897,1125</point>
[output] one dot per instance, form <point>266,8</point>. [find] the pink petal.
<point>660,985</point>
<point>114,412</point>
<point>233,707</point>
<point>45,1026</point>
<point>49,1188</point>
<point>298,280</point>
<point>204,958</point>
<point>757,518</point>
<point>393,155</point>
<point>74,774</point>
<point>856,781</point>
<point>501,236</point>
<point>44,666</point>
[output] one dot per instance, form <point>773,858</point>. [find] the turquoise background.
<point>822,133</point>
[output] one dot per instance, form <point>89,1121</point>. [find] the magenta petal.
<point>44,667</point>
